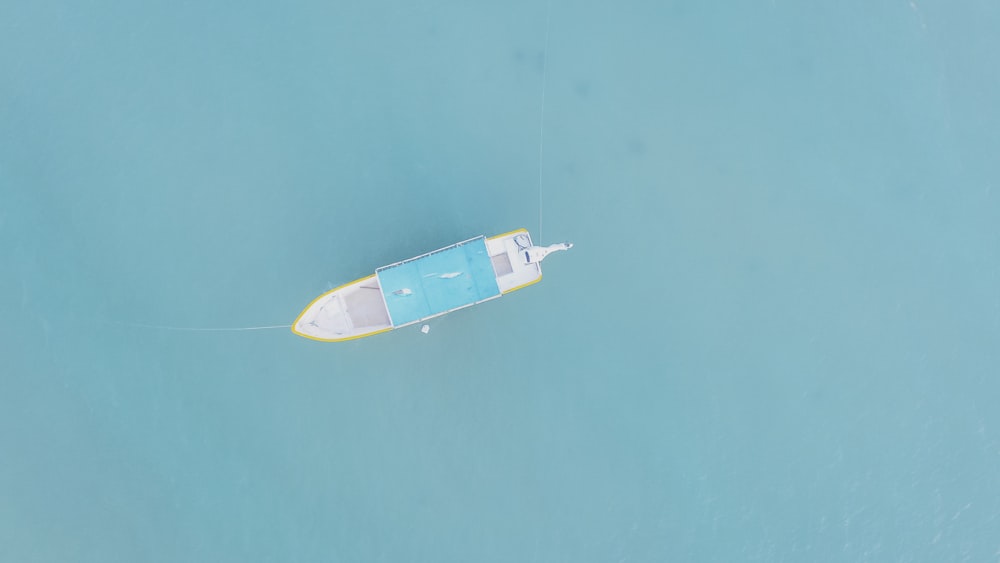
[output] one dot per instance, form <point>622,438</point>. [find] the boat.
<point>430,285</point>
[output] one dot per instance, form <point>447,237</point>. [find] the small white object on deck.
<point>425,329</point>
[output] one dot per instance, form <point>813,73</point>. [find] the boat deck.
<point>438,282</point>
<point>511,271</point>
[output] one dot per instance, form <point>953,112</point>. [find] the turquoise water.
<point>775,340</point>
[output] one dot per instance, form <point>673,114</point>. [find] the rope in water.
<point>199,329</point>
<point>541,125</point>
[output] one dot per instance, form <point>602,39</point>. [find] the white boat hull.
<point>367,306</point>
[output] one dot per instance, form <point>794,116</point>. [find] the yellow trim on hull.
<point>346,338</point>
<point>515,231</point>
<point>515,288</point>
<point>334,290</point>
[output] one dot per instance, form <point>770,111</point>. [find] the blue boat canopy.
<point>435,283</point>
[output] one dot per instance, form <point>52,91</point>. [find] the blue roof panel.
<point>443,280</point>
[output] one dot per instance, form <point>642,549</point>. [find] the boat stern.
<point>512,269</point>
